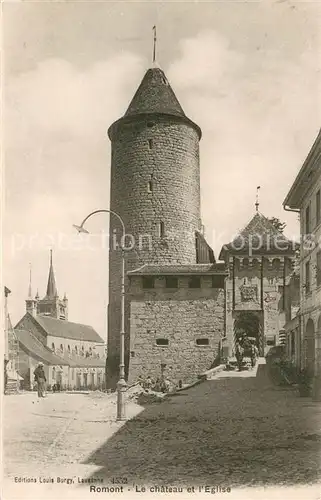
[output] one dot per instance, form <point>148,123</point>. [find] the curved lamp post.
<point>121,385</point>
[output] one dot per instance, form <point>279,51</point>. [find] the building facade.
<point>177,320</point>
<point>74,355</point>
<point>260,288</point>
<point>304,197</point>
<point>11,351</point>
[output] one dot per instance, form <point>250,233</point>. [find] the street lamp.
<point>121,384</point>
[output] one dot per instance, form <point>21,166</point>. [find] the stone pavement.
<point>235,431</point>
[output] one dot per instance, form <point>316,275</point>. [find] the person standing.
<point>253,355</point>
<point>40,378</point>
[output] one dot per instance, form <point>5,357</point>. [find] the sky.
<point>248,73</point>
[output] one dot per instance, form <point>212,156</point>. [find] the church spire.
<point>51,286</point>
<point>154,45</point>
<point>257,203</point>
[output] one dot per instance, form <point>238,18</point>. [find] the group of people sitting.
<point>158,385</point>
<point>244,347</point>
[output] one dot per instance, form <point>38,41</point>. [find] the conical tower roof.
<point>155,95</point>
<point>259,236</point>
<point>51,286</point>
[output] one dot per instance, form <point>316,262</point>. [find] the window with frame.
<point>194,282</point>
<point>318,207</point>
<point>318,268</point>
<point>218,281</point>
<point>148,282</point>
<point>292,343</point>
<point>307,277</point>
<point>171,282</point>
<point>307,220</point>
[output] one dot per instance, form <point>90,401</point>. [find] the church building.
<point>73,354</point>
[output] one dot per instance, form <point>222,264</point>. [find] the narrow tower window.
<point>150,143</point>
<point>150,187</point>
<point>161,229</point>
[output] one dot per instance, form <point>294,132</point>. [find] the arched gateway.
<point>249,323</point>
<point>309,341</point>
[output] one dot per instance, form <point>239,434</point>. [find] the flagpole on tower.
<point>154,44</point>
<point>30,285</point>
<point>257,204</point>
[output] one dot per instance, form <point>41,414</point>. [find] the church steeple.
<point>51,286</point>
<point>30,286</point>
<point>31,303</point>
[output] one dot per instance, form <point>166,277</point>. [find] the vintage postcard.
<point>161,257</point>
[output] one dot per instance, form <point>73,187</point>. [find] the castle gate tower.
<point>155,188</point>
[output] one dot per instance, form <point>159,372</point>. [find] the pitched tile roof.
<point>67,329</point>
<point>306,177</point>
<point>33,346</point>
<point>176,269</point>
<point>259,237</point>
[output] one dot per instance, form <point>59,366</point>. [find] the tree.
<point>278,225</point>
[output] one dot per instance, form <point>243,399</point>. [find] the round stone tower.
<point>155,188</point>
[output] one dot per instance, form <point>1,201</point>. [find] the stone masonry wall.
<point>181,316</point>
<point>155,179</point>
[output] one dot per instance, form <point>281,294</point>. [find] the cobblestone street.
<point>236,431</point>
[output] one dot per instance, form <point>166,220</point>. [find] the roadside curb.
<point>209,374</point>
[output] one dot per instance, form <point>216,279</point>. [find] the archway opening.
<point>247,330</point>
